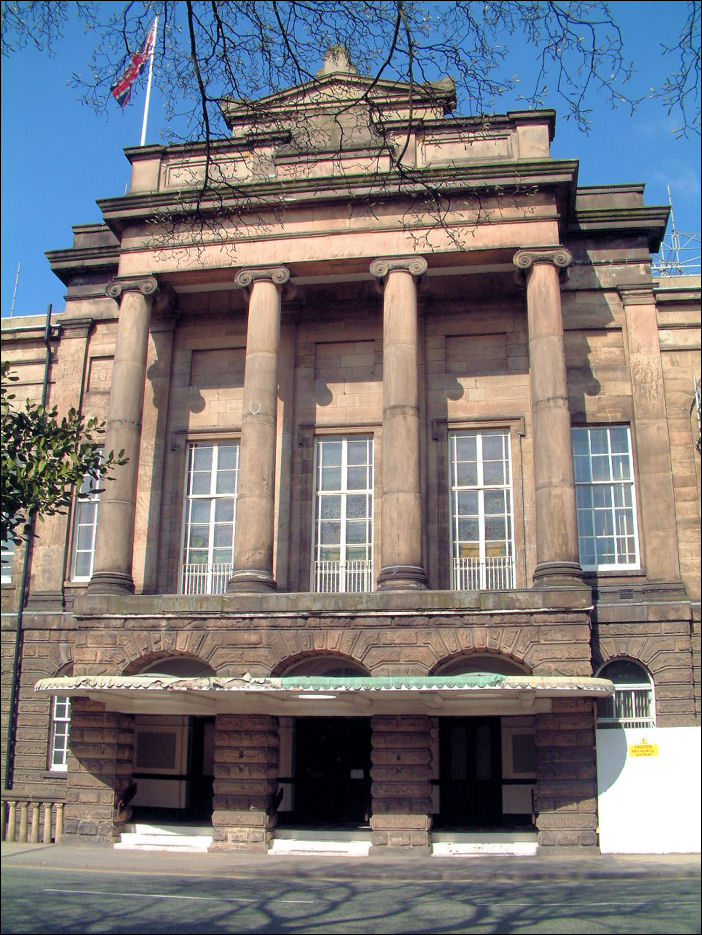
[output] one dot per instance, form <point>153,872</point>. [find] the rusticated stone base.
<point>567,775</point>
<point>401,788</point>
<point>246,772</point>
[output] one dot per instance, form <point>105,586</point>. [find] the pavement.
<point>252,865</point>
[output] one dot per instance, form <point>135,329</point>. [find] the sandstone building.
<point>412,506</point>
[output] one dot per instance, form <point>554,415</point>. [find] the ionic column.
<point>254,532</point>
<point>557,562</point>
<point>401,512</point>
<point>114,539</point>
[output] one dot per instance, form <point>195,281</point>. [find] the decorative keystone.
<point>147,285</point>
<point>416,265</point>
<point>278,275</point>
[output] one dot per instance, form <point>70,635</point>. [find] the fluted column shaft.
<point>254,533</point>
<point>557,561</point>
<point>114,540</point>
<point>401,511</point>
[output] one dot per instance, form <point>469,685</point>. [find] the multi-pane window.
<point>60,730</point>
<point>8,553</point>
<point>84,529</point>
<point>604,493</point>
<point>632,703</point>
<point>343,550</point>
<point>482,540</point>
<point>210,514</point>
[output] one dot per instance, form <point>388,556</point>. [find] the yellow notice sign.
<point>643,749</point>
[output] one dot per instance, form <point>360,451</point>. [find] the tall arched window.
<point>632,704</point>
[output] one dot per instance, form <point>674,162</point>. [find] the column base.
<point>252,581</point>
<point>110,582</point>
<point>559,575</point>
<point>402,578</point>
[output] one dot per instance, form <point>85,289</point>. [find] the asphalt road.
<point>48,901</point>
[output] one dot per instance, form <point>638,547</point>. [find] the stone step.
<point>332,843</point>
<point>467,844</point>
<point>173,838</point>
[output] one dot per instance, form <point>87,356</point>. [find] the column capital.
<point>147,285</point>
<point>278,275</point>
<point>416,265</point>
<point>637,294</point>
<point>559,256</point>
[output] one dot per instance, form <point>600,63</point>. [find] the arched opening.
<point>484,765</point>
<point>324,761</point>
<point>174,753</point>
<point>632,704</point>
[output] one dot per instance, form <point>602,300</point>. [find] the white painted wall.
<point>649,805</point>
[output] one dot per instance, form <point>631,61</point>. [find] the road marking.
<point>210,899</point>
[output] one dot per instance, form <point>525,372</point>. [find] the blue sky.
<point>58,156</point>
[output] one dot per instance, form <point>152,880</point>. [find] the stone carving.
<point>416,265</point>
<point>147,285</point>
<point>275,274</point>
<point>559,256</point>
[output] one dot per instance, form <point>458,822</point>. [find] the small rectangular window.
<point>343,550</point>
<point>8,554</point>
<point>605,498</point>
<point>210,517</point>
<point>60,731</point>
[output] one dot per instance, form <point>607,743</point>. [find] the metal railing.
<point>490,574</point>
<point>29,820</point>
<point>205,579</point>
<point>627,707</point>
<point>343,577</point>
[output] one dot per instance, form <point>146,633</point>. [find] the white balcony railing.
<point>337,577</point>
<point>490,574</point>
<point>205,579</point>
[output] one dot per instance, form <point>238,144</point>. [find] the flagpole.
<point>148,84</point>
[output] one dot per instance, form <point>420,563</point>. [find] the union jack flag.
<point>122,88</point>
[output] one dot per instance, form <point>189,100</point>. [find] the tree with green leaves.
<point>44,458</point>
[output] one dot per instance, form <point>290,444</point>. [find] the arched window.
<point>477,663</point>
<point>325,664</point>
<point>632,704</point>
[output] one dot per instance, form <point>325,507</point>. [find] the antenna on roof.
<point>680,255</point>
<point>14,291</point>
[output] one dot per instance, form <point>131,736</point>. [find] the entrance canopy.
<point>327,696</point>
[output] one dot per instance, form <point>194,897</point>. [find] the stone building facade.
<point>411,491</point>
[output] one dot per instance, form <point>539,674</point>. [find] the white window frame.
<point>208,577</point>
<point>60,733</point>
<point>610,487</point>
<point>87,503</point>
<point>343,574</point>
<point>8,555</point>
<point>620,709</point>
<point>481,572</point>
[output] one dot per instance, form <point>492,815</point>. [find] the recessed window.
<point>482,539</point>
<point>632,704</point>
<point>605,498</point>
<point>343,550</point>
<point>210,515</point>
<point>85,518</point>
<point>60,731</point>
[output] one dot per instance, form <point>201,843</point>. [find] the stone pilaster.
<point>402,564</point>
<point>255,509</point>
<point>401,783</point>
<point>100,766</point>
<point>556,522</point>
<point>650,429</point>
<point>566,791</point>
<point>246,774</point>
<point>114,539</point>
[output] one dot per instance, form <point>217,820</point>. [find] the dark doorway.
<point>201,767</point>
<point>470,764</point>
<point>332,771</point>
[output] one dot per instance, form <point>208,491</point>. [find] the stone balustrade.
<point>27,819</point>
